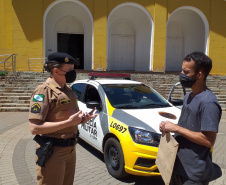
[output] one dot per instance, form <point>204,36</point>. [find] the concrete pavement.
<point>17,150</point>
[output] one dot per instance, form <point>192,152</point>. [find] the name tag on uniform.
<point>65,101</point>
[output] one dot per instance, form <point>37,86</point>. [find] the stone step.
<point>14,109</point>
<point>21,83</point>
<point>20,86</point>
<point>3,101</point>
<point>12,94</point>
<point>27,78</point>
<point>38,75</point>
<point>21,73</point>
<point>14,105</point>
<point>24,88</point>
<point>222,95</point>
<point>13,90</point>
<point>222,100</point>
<point>16,97</point>
<point>213,88</point>
<point>17,94</point>
<point>178,88</point>
<point>26,82</point>
<point>223,107</point>
<point>34,78</point>
<point>217,92</point>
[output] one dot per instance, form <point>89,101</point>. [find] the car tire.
<point>114,159</point>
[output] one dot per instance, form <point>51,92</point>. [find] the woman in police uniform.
<point>55,116</point>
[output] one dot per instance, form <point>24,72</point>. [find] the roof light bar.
<point>109,75</point>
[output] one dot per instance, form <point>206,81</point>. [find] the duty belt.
<point>63,142</point>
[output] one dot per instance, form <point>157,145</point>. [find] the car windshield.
<point>133,96</point>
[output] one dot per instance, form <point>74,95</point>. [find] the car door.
<point>91,131</point>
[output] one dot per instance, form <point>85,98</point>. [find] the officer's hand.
<point>89,116</point>
<point>76,118</point>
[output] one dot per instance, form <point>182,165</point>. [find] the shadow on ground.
<point>137,180</point>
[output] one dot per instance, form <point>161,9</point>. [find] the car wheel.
<point>114,159</point>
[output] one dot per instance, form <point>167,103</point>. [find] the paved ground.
<point>17,157</point>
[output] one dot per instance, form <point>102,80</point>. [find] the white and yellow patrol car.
<point>126,129</point>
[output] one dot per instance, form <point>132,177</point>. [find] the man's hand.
<point>206,138</point>
<point>167,126</point>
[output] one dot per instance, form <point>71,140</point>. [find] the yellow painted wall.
<point>5,27</point>
<point>100,34</point>
<point>27,31</point>
<point>215,12</point>
<point>217,38</point>
<point>21,29</point>
<point>98,10</point>
<point>160,10</point>
<point>160,19</point>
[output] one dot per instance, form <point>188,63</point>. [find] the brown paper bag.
<point>166,156</point>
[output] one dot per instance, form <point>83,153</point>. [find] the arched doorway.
<point>70,39</point>
<point>122,46</point>
<point>187,31</point>
<point>68,27</point>
<point>175,46</point>
<point>130,35</point>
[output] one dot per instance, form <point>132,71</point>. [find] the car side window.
<point>92,94</point>
<point>78,88</point>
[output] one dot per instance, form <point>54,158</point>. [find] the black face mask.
<point>70,76</point>
<point>187,81</point>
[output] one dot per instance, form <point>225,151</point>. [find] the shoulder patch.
<point>35,108</point>
<point>38,97</point>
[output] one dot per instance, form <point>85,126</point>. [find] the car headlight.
<point>144,137</point>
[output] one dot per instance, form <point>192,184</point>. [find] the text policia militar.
<point>91,128</point>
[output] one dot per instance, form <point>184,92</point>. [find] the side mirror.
<point>92,104</point>
<point>176,102</point>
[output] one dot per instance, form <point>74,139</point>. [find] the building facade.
<point>115,35</point>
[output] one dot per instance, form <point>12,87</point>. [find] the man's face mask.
<point>187,81</point>
<point>70,76</point>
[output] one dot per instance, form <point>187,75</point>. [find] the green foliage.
<point>3,73</point>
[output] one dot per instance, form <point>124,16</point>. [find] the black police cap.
<point>60,58</point>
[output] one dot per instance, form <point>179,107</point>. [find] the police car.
<point>126,129</point>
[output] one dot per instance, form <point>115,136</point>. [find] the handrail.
<point>8,65</point>
<point>35,64</point>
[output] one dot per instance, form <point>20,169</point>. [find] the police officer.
<point>55,116</point>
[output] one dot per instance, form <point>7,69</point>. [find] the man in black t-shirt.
<point>198,124</point>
